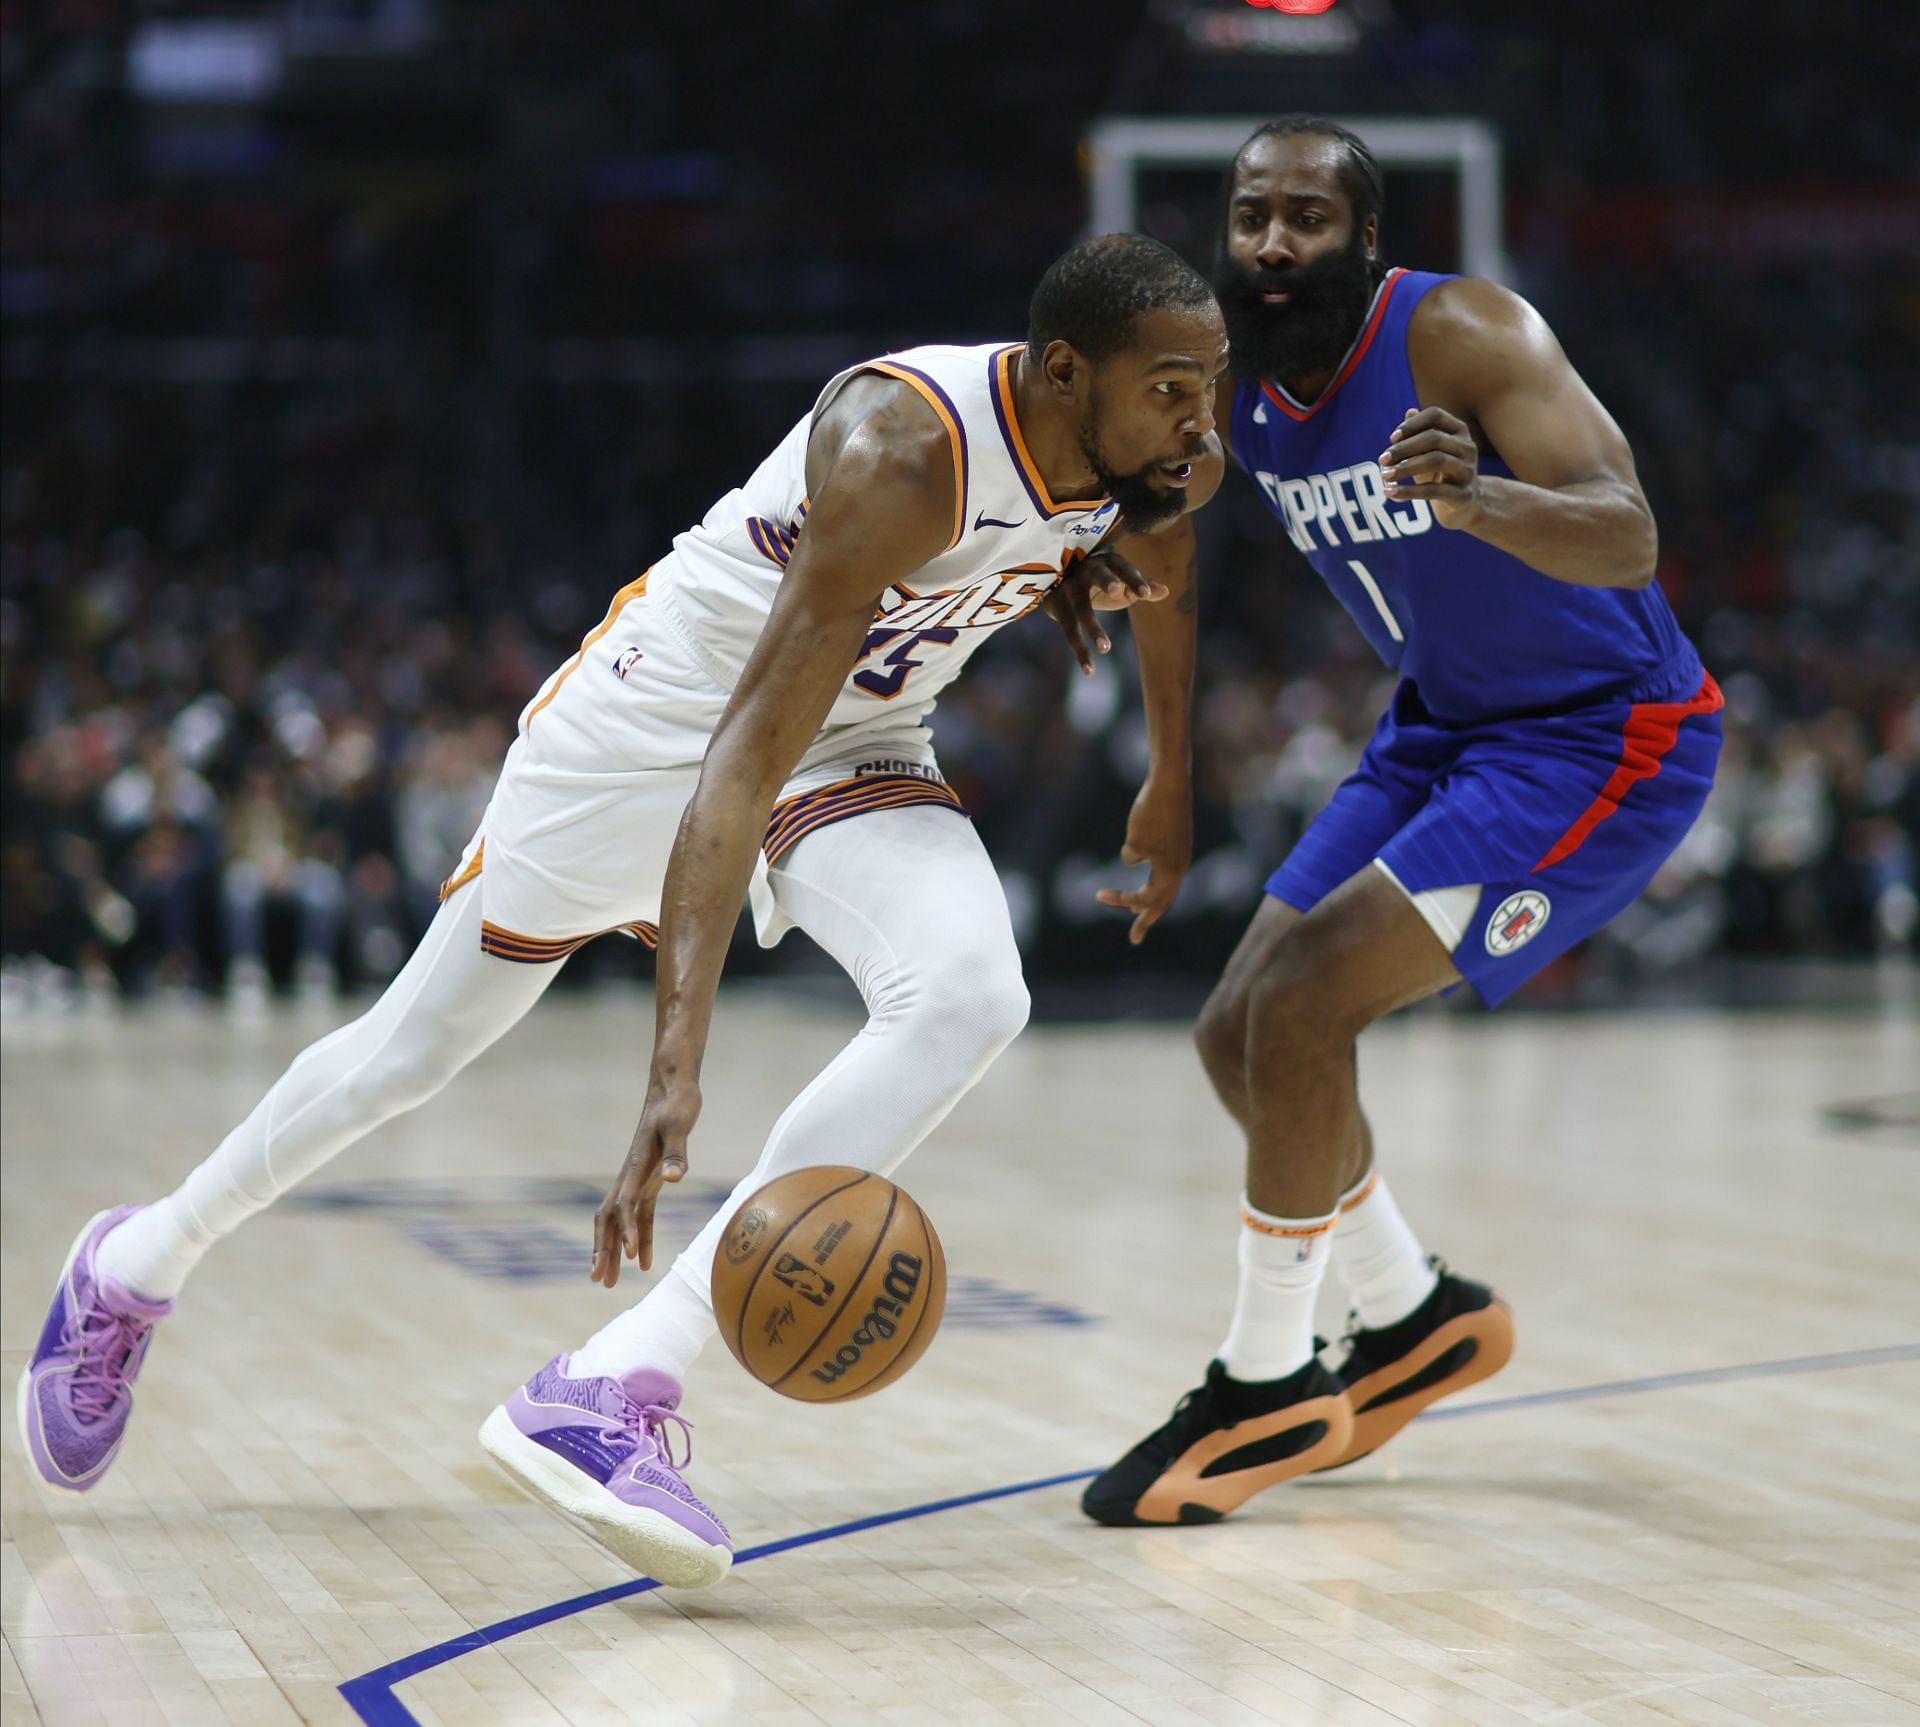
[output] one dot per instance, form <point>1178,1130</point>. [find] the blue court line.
<point>372,1697</point>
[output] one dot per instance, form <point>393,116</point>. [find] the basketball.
<point>829,1284</point>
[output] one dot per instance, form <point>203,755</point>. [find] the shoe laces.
<point>645,1424</point>
<point>1196,1407</point>
<point>1351,1335</point>
<point>105,1342</point>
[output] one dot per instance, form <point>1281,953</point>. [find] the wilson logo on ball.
<point>901,1284</point>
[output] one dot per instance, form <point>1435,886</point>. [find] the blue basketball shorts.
<point>1560,819</point>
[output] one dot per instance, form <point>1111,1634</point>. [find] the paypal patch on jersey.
<point>1085,535</point>
<point>1479,632</point>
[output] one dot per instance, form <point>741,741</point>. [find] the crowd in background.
<point>299,502</point>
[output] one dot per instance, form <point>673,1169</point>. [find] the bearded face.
<point>1309,331</point>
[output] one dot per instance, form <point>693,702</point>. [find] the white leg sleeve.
<point>907,901</point>
<point>449,1003</point>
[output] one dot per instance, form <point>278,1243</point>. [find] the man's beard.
<point>1312,331</point>
<point>1143,505</point>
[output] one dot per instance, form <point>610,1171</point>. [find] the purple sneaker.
<point>77,1392</point>
<point>596,1451</point>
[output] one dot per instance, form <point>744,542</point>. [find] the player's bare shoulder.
<point>1467,330</point>
<point>879,430</point>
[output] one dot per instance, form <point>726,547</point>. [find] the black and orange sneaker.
<point>1461,1334</point>
<point>1228,1440</point>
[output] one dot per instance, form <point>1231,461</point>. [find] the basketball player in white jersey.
<point>748,723</point>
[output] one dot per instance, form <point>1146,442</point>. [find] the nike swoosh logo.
<point>986,521</point>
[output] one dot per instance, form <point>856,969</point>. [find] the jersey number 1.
<point>1379,599</point>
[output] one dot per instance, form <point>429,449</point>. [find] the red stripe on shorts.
<point>1652,729</point>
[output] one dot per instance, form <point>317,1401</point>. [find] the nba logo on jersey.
<point>629,658</point>
<point>1516,920</point>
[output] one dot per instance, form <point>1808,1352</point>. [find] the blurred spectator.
<point>306,481</point>
<point>269,870</point>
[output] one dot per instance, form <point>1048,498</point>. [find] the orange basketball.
<point>829,1284</point>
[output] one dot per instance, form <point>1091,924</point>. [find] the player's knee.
<point>978,997</point>
<point>1220,1033</point>
<point>1296,1004</point>
<point>397,1080</point>
<point>999,1005</point>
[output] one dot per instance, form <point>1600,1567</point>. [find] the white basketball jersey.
<point>1010,543</point>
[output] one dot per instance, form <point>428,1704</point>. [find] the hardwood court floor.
<point>301,1500</point>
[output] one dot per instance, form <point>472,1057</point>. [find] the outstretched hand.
<point>1159,834</point>
<point>624,1222</point>
<point>1103,582</point>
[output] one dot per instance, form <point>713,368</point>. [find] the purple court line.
<point>372,1697</point>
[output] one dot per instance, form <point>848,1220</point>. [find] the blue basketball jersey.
<point>1478,632</point>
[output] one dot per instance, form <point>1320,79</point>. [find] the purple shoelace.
<point>106,1342</point>
<point>647,1422</point>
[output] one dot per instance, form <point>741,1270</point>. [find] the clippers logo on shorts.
<point>803,1280</point>
<point>1516,920</point>
<point>745,1235</point>
<point>629,658</point>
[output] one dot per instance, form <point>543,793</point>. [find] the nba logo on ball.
<point>1299,8</point>
<point>1516,920</point>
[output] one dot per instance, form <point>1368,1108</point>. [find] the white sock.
<point>1282,1260</point>
<point>153,1250</point>
<point>1379,1256</point>
<point>667,1328</point>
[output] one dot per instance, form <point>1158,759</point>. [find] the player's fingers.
<point>1420,444</point>
<point>610,1239</point>
<point>1120,898</point>
<point>1452,490</point>
<point>1089,622</point>
<point>1433,471</point>
<point>599,1243</point>
<point>1115,569</point>
<point>1428,462</point>
<point>643,1233</point>
<point>1061,611</point>
<point>1130,854</point>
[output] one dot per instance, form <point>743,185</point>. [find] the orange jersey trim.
<point>538,950</point>
<point>454,883</point>
<point>936,399</point>
<point>799,816</point>
<point>632,591</point>
<point>1017,443</point>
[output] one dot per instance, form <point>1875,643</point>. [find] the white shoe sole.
<point>23,1391</point>
<point>649,1541</point>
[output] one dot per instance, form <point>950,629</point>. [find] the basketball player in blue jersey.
<point>747,724</point>
<point>1553,736</point>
